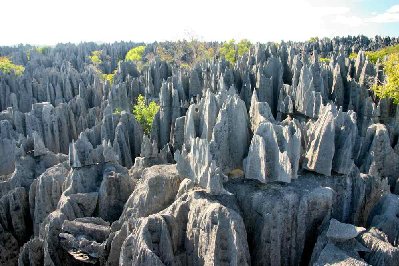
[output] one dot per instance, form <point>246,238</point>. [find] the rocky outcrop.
<point>159,239</point>
<point>230,137</point>
<point>307,99</point>
<point>155,191</point>
<point>198,166</point>
<point>275,159</point>
<point>85,239</point>
<point>274,153</point>
<point>331,142</point>
<point>376,156</point>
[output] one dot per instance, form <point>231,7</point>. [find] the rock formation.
<point>276,159</point>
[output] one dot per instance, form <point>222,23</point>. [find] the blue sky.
<point>49,22</point>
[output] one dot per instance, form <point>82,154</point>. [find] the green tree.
<point>7,66</point>
<point>135,54</point>
<point>382,53</point>
<point>95,57</point>
<point>231,50</point>
<point>313,39</point>
<point>144,113</point>
<point>243,47</point>
<point>42,49</point>
<point>228,51</point>
<point>390,88</point>
<point>108,77</point>
<point>353,56</point>
<point>325,60</point>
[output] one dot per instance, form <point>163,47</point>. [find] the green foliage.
<point>7,66</point>
<point>325,60</point>
<point>42,49</point>
<point>243,47</point>
<point>108,77</point>
<point>135,54</point>
<point>164,55</point>
<point>313,39</point>
<point>380,54</point>
<point>390,88</point>
<point>117,111</point>
<point>228,51</point>
<point>199,50</point>
<point>353,56</point>
<point>95,57</point>
<point>144,113</point>
<point>231,50</point>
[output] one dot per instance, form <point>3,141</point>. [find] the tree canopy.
<point>95,57</point>
<point>7,66</point>
<point>390,88</point>
<point>135,54</point>
<point>144,113</point>
<point>230,50</point>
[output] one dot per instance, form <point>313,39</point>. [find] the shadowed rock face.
<point>278,159</point>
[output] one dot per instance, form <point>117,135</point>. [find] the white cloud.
<point>393,9</point>
<point>389,16</point>
<point>348,20</point>
<point>50,22</point>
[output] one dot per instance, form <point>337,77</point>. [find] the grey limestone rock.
<point>274,153</point>
<point>332,255</point>
<point>324,149</point>
<point>376,156</point>
<point>45,193</point>
<point>259,112</point>
<point>307,100</point>
<point>115,189</point>
<point>31,253</point>
<point>9,247</point>
<point>230,137</point>
<point>155,191</point>
<point>382,252</point>
<point>157,239</point>
<point>320,149</point>
<point>38,145</point>
<point>7,148</point>
<point>338,88</point>
<point>84,239</point>
<point>198,166</point>
<point>280,219</point>
<point>342,232</point>
<point>14,214</point>
<point>385,217</point>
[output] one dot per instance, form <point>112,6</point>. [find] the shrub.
<point>7,66</point>
<point>228,51</point>
<point>325,60</point>
<point>243,47</point>
<point>380,54</point>
<point>117,111</point>
<point>108,77</point>
<point>390,88</point>
<point>42,49</point>
<point>144,113</point>
<point>95,57</point>
<point>164,55</point>
<point>353,56</point>
<point>135,54</point>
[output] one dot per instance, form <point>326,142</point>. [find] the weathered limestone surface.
<point>279,158</point>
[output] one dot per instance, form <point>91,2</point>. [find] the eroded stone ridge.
<point>277,159</point>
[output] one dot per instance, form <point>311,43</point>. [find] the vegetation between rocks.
<point>7,66</point>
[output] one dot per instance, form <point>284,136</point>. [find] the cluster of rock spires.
<point>276,160</point>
